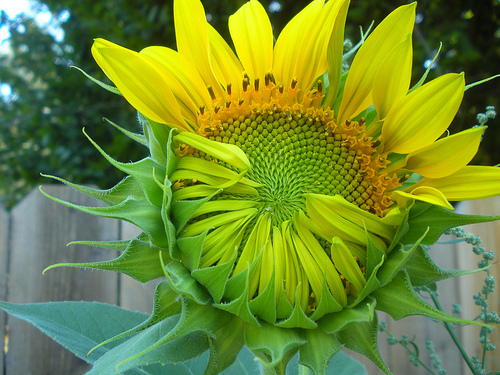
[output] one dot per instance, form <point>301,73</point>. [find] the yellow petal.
<point>252,36</point>
<point>327,270</point>
<point>354,214</point>
<point>423,115</point>
<point>391,31</point>
<point>225,64</point>
<point>335,54</point>
<point>346,264</point>
<point>447,155</point>
<point>231,154</point>
<point>191,32</point>
<point>393,78</point>
<point>424,194</point>
<point>141,83</point>
<point>184,72</point>
<point>470,182</point>
<point>301,49</point>
<point>331,224</point>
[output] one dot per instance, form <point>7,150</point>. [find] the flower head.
<point>278,191</point>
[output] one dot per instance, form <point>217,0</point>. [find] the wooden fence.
<point>35,233</point>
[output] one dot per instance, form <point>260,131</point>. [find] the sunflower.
<point>282,194</point>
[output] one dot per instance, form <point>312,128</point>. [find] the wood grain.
<point>40,230</point>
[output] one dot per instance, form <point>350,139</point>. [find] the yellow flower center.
<point>275,214</point>
<point>297,148</point>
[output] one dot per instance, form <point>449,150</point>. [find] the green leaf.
<point>362,312</point>
<point>182,282</point>
<point>362,338</point>
<point>105,86</point>
<point>143,349</point>
<point>183,210</point>
<point>138,212</point>
<point>139,138</point>
<point>270,343</point>
<point>214,278</point>
<point>191,248</point>
<point>398,299</point>
<point>424,215</point>
<point>225,346</point>
<point>396,260</point>
<point>126,188</point>
<point>318,350</point>
<point>78,326</point>
<point>139,261</point>
<point>145,171</point>
<point>423,271</point>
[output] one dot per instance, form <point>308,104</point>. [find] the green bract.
<point>214,308</point>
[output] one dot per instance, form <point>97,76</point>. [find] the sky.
<point>42,16</point>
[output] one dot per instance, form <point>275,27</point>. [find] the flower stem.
<point>415,354</point>
<point>449,328</point>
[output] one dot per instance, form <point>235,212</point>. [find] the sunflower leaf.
<point>225,346</point>
<point>362,338</point>
<point>139,261</point>
<point>145,171</point>
<point>398,299</point>
<point>138,212</point>
<point>318,350</point>
<point>442,219</point>
<point>423,271</point>
<point>270,343</point>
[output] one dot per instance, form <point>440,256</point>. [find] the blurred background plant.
<point>44,104</point>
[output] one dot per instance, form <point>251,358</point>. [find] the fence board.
<point>40,230</point>
<point>134,295</point>
<point>4,243</point>
<point>490,236</point>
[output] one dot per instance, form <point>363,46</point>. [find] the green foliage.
<point>80,334</point>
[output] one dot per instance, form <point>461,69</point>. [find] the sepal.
<point>271,344</point>
<point>225,346</point>
<point>362,338</point>
<point>145,171</point>
<point>398,299</point>
<point>422,214</point>
<point>139,261</point>
<point>318,350</point>
<point>423,271</point>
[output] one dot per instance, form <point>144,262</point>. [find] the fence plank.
<point>134,295</point>
<point>490,236</point>
<point>4,243</point>
<point>40,230</point>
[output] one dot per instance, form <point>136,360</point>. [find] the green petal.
<point>231,154</point>
<point>346,264</point>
